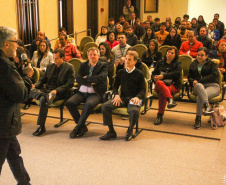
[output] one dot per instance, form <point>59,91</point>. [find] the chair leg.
<point>62,119</point>
<point>138,131</point>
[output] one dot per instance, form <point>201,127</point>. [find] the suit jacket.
<point>65,79</point>
<point>13,91</point>
<point>98,76</point>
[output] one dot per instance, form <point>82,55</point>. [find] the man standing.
<point>132,21</point>
<point>59,78</point>
<point>70,49</point>
<point>191,46</point>
<point>133,91</point>
<point>120,50</point>
<point>13,91</point>
<point>204,38</point>
<point>92,81</point>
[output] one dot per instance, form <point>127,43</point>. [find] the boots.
<point>208,110</point>
<point>171,103</point>
<point>158,120</point>
<point>197,124</point>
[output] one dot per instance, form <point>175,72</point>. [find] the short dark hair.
<point>122,34</point>
<point>122,16</point>
<point>217,14</point>
<point>62,29</point>
<point>60,51</point>
<point>109,34</point>
<point>129,27</point>
<point>203,49</point>
<point>176,53</point>
<point>163,24</point>
<point>157,19</point>
<point>65,36</point>
<point>111,19</point>
<point>204,27</point>
<point>186,16</point>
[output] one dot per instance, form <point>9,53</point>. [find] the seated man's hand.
<point>54,92</point>
<point>135,101</point>
<point>117,100</point>
<point>32,86</point>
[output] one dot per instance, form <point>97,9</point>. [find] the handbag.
<point>166,81</point>
<point>218,117</point>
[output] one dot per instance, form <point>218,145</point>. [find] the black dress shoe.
<point>108,136</point>
<point>171,103</point>
<point>197,124</point>
<point>129,134</point>
<point>158,120</point>
<point>41,130</point>
<point>26,106</point>
<point>82,131</point>
<point>74,132</point>
<point>208,110</point>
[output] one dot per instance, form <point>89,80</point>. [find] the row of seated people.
<point>59,77</point>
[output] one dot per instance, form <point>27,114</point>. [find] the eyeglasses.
<point>16,41</point>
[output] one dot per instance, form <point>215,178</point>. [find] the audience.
<point>123,22</point>
<point>204,39</point>
<point>70,50</point>
<point>57,80</point>
<point>111,39</point>
<point>139,29</point>
<point>111,24</point>
<point>203,78</point>
<point>219,25</point>
<point>132,20</point>
<point>173,39</point>
<point>156,25</point>
<point>149,18</point>
<point>168,25</point>
<point>191,46</point>
<point>166,76</point>
<point>201,23</point>
<point>213,33</point>
<point>103,35</point>
<point>107,56</point>
<point>119,29</point>
<point>92,81</point>
<point>162,34</point>
<point>152,55</point>
<point>132,39</point>
<point>149,35</point>
<point>42,57</point>
<point>186,17</point>
<point>194,23</point>
<point>132,84</point>
<point>35,42</point>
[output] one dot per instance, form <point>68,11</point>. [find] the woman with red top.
<point>220,54</point>
<point>166,76</point>
<point>111,39</point>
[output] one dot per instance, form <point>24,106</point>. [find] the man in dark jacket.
<point>59,78</point>
<point>204,38</point>
<point>13,91</point>
<point>132,39</point>
<point>92,84</point>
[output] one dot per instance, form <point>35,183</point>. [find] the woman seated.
<point>103,35</point>
<point>213,33</point>
<point>168,25</point>
<point>42,57</point>
<point>107,56</point>
<point>173,39</point>
<point>203,77</point>
<point>152,55</point>
<point>166,76</point>
<point>111,39</point>
<point>139,29</point>
<point>220,54</point>
<point>149,35</point>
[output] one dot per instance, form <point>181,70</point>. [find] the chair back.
<point>146,71</point>
<point>185,60</point>
<point>84,41</point>
<point>76,62</point>
<point>140,48</point>
<point>36,74</point>
<point>97,36</point>
<point>163,50</point>
<point>86,48</point>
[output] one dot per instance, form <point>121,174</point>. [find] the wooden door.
<point>92,17</point>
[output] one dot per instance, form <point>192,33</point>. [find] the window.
<point>28,20</point>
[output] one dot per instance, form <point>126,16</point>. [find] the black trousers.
<point>43,111</point>
<point>90,100</point>
<point>132,110</point>
<point>10,150</point>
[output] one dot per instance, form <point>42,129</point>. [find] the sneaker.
<point>50,98</point>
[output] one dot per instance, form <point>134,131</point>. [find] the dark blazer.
<point>172,71</point>
<point>98,76</point>
<point>209,72</point>
<point>150,59</point>
<point>176,41</point>
<point>13,91</point>
<point>65,79</point>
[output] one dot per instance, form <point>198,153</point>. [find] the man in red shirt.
<point>191,46</point>
<point>70,50</point>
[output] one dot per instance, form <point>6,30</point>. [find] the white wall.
<point>207,8</point>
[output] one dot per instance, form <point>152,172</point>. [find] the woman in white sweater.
<point>42,57</point>
<point>103,35</point>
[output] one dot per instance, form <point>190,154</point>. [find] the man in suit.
<point>132,21</point>
<point>133,91</point>
<point>13,90</point>
<point>92,84</point>
<point>59,78</point>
